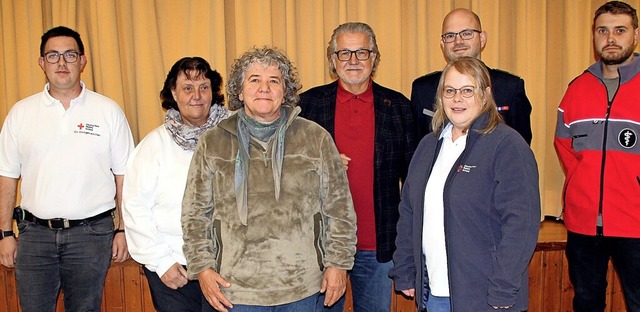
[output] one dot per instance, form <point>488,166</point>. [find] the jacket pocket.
<point>575,139</point>
<point>217,244</point>
<point>318,234</point>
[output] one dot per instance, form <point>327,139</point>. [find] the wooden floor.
<point>126,288</point>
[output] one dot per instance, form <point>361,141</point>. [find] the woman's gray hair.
<point>265,56</point>
<point>353,27</point>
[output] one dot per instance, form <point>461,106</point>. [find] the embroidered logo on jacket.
<point>627,138</point>
<point>465,168</point>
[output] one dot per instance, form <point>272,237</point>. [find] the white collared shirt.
<point>433,239</point>
<point>66,158</point>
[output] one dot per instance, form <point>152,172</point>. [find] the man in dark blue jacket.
<point>375,134</point>
<point>462,35</point>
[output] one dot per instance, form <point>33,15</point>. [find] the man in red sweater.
<point>376,136</point>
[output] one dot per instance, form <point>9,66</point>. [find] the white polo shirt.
<point>433,238</point>
<point>66,159</point>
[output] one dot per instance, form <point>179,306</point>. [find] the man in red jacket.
<point>597,143</point>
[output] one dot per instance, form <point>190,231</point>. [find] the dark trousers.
<point>588,258</point>
<point>75,260</point>
<point>187,298</point>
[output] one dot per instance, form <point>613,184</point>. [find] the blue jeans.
<point>588,258</point>
<point>370,285</point>
<point>187,298</point>
<point>75,260</point>
<point>438,304</point>
<point>304,305</point>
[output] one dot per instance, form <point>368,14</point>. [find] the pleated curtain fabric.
<point>131,44</point>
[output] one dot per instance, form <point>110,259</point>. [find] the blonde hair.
<point>479,75</point>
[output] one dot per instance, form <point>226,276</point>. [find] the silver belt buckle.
<point>65,224</point>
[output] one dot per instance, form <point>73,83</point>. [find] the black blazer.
<point>395,141</point>
<point>508,91</point>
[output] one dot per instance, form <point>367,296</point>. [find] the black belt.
<point>59,223</point>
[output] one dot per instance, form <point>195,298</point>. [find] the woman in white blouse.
<point>155,180</point>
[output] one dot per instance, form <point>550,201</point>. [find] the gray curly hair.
<point>266,56</point>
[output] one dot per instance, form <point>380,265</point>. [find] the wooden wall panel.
<point>403,304</point>
<point>146,300</point>
<point>8,291</point>
<point>567,289</point>
<point>126,288</point>
<point>133,281</point>
<point>112,298</point>
<point>536,283</point>
<point>552,274</point>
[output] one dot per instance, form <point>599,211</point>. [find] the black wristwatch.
<point>4,234</point>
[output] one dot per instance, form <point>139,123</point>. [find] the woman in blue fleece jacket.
<point>470,208</point>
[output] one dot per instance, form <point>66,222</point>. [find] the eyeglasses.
<point>54,56</point>
<point>361,54</point>
<point>466,34</point>
<point>465,92</point>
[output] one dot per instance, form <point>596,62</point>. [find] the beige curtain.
<point>131,44</point>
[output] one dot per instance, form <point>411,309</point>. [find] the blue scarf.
<point>247,128</point>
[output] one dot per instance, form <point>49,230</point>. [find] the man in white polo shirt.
<point>70,146</point>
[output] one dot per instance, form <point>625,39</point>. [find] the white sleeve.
<point>139,198</point>
<point>9,155</point>
<point>121,142</point>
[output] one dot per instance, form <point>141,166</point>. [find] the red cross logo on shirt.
<point>80,126</point>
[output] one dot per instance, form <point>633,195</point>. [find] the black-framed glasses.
<point>54,56</point>
<point>466,34</point>
<point>361,54</point>
<point>465,92</point>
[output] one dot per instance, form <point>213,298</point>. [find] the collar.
<point>344,95</point>
<point>447,136</point>
<point>50,100</point>
<point>478,124</point>
<point>446,132</point>
<point>626,72</point>
<point>230,124</point>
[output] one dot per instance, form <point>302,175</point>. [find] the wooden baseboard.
<point>126,288</point>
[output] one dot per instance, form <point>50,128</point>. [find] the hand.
<point>175,277</point>
<point>345,161</point>
<point>8,251</point>
<point>410,292</point>
<point>334,284</point>
<point>210,282</point>
<point>119,251</point>
<point>504,308</point>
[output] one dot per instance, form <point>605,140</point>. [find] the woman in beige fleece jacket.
<point>267,216</point>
